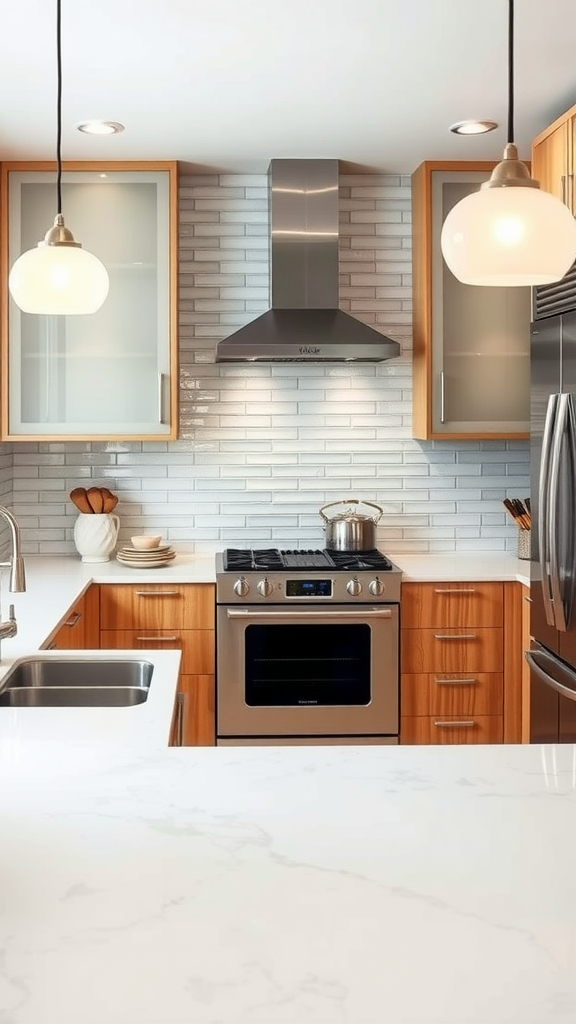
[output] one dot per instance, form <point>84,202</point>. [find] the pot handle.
<point>352,501</point>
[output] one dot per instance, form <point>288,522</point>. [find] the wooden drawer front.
<point>451,650</point>
<point>197,645</point>
<point>447,729</point>
<point>481,693</point>
<point>165,605</point>
<point>435,605</point>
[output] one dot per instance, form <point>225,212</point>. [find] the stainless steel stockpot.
<point>351,530</point>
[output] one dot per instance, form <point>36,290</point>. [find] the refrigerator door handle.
<point>544,507</point>
<point>540,661</point>
<point>560,489</point>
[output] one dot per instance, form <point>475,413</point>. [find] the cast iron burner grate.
<point>244,560</point>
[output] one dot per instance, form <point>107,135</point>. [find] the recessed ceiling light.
<point>100,127</point>
<point>473,127</point>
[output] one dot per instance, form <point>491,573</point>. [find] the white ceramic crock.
<point>95,535</point>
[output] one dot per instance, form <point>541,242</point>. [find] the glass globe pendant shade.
<point>58,278</point>
<point>509,235</point>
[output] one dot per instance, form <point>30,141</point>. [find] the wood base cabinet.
<point>452,662</point>
<point>80,627</point>
<point>168,617</point>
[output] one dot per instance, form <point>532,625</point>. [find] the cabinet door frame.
<point>426,368</point>
<point>169,166</point>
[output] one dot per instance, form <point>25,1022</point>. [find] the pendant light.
<point>58,277</point>
<point>509,232</point>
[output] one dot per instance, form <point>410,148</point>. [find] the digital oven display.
<point>308,588</point>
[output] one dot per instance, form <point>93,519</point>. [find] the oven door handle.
<point>248,613</point>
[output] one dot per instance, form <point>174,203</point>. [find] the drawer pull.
<point>74,619</point>
<point>455,682</point>
<point>455,590</point>
<point>455,636</point>
<point>455,725</point>
<point>159,639</point>
<point>157,593</point>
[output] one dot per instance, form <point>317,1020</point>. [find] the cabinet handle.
<point>442,398</point>
<point>455,590</point>
<point>456,725</point>
<point>563,187</point>
<point>180,698</point>
<point>455,682</point>
<point>528,599</point>
<point>162,639</point>
<point>52,646</point>
<point>74,619</point>
<point>455,636</point>
<point>157,593</point>
<point>161,397</point>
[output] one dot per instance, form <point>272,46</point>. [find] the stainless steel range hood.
<point>304,323</point>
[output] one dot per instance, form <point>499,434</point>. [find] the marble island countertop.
<point>335,885</point>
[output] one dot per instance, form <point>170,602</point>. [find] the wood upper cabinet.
<point>167,616</point>
<point>80,627</point>
<point>471,356</point>
<point>554,158</point>
<point>114,373</point>
<point>460,662</point>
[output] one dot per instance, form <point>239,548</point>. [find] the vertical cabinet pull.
<point>180,699</point>
<point>442,398</point>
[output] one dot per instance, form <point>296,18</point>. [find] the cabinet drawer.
<point>197,645</point>
<point>157,606</point>
<point>451,650</point>
<point>435,605</point>
<point>480,693</point>
<point>451,729</point>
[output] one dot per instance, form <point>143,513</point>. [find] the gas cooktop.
<point>274,560</point>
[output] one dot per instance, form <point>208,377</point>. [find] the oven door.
<point>307,671</point>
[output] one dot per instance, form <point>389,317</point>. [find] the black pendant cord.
<point>59,108</point>
<point>510,71</point>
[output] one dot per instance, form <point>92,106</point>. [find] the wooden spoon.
<point>79,498</point>
<point>95,499</point>
<point>110,500</point>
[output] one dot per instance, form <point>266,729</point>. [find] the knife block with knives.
<point>521,514</point>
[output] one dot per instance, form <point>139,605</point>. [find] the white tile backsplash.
<point>262,447</point>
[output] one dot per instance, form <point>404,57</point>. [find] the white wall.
<point>264,446</point>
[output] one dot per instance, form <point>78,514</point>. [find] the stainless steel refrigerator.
<point>552,656</point>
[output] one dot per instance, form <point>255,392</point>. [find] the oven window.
<point>299,665</point>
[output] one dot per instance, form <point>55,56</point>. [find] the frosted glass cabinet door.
<point>471,344</point>
<point>110,374</point>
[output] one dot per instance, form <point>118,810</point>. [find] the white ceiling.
<point>228,84</point>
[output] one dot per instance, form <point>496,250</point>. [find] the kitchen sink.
<point>76,682</point>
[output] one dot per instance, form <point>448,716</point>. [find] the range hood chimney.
<point>304,323</point>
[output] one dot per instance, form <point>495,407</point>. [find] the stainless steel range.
<point>307,647</point>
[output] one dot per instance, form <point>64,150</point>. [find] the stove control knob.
<point>265,588</point>
<point>354,587</point>
<point>241,587</point>
<point>376,587</point>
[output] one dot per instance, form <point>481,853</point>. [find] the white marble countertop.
<point>455,565</point>
<point>335,885</point>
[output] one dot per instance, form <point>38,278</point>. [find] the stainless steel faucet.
<point>17,583</point>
